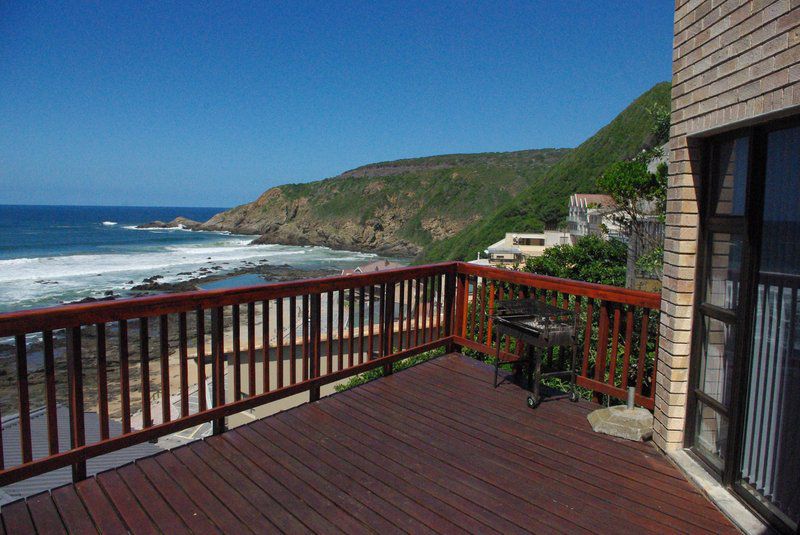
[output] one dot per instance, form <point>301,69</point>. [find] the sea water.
<point>55,254</point>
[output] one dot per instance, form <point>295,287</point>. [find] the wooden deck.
<point>431,449</point>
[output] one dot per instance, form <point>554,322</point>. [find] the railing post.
<point>77,437</point>
<point>388,326</point>
<point>218,367</point>
<point>315,341</point>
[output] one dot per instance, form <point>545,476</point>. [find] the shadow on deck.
<point>431,449</point>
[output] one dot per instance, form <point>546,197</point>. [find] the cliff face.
<point>392,208</point>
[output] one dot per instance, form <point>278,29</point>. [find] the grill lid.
<point>530,307</point>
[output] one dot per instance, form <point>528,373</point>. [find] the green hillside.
<point>395,208</point>
<point>544,201</point>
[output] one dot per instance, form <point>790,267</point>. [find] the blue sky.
<point>209,104</point>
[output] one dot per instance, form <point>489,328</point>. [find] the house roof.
<point>62,476</point>
<point>378,265</point>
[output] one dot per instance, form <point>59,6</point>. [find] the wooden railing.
<point>140,361</point>
<point>618,327</point>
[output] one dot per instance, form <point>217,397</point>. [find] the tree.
<point>591,259</point>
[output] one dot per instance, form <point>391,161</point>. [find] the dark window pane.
<point>730,177</point>
<point>724,270</point>
<point>711,434</point>
<point>717,360</point>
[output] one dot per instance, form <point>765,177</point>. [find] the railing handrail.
<point>73,315</point>
<point>616,294</point>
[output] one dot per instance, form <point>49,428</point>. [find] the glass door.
<point>770,458</point>
<point>723,244</point>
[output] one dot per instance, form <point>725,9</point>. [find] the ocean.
<point>56,254</point>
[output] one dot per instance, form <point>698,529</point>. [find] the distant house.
<point>516,247</point>
<point>591,214</point>
<point>372,267</point>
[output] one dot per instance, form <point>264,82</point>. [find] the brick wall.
<point>733,61</point>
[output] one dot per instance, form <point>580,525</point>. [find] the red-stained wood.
<point>482,312</point>
<point>401,315</point>
<point>218,365</point>
<point>424,312</point>
<point>351,312</point>
<point>279,342</point>
<point>602,343</point>
<point>49,395</point>
<point>251,348</point>
<point>587,336</point>
<point>431,308</point>
<point>102,381</point>
<point>306,337</point>
<point>409,311</point>
<point>340,328</point>
<point>489,325</point>
<point>626,358</point>
<point>200,319</point>
<point>265,345</point>
<point>460,324</point>
<point>439,304</point>
<point>381,319</point>
<point>77,434</point>
<point>124,376</point>
<point>642,350</point>
<point>361,334</point>
<point>542,282</point>
<point>183,363</point>
<point>144,370</point>
<point>417,311</point>
<point>163,334</point>
<point>315,337</point>
<point>371,322</point>
<point>237,352</point>
<point>612,369</point>
<point>329,330</point>
<point>292,340</point>
<point>23,403</point>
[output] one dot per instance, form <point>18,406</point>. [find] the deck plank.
<point>433,449</point>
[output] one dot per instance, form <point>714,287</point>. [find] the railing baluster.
<point>292,339</point>
<point>409,311</point>
<point>483,313</point>
<point>381,319</point>
<point>315,340</point>
<point>388,328</point>
<point>612,373</point>
<point>329,333</point>
<point>431,307</point>
<point>361,293</point>
<point>237,352</point>
<point>265,345</point>
<point>489,325</point>
<point>23,401</point>
<point>201,359</point>
<point>251,348</point>
<point>628,346</point>
<point>351,313</point>
<point>124,376</point>
<point>102,381</point>
<point>642,350</point>
<point>417,311</point>
<point>371,320</point>
<point>49,395</point>
<point>340,326</point>
<point>602,346</point>
<point>279,341</point>
<point>183,356</point>
<point>163,332</point>
<point>400,313</point>
<point>439,299</point>
<point>144,364</point>
<point>587,336</point>
<point>218,366</point>
<point>75,391</point>
<point>306,336</point>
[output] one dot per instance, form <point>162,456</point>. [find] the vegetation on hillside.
<point>544,201</point>
<point>591,259</point>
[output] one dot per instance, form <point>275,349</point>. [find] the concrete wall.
<point>734,62</point>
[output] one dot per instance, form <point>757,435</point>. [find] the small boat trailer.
<point>540,326</point>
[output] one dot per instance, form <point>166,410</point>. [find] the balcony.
<point>431,448</point>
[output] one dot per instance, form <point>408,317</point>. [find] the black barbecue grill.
<point>540,326</point>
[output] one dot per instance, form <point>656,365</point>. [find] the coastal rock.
<point>178,222</point>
